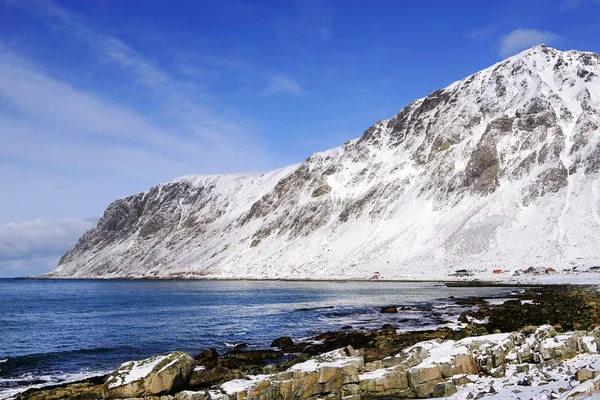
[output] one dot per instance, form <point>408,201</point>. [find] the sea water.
<point>52,331</point>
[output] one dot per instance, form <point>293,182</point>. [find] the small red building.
<point>498,271</point>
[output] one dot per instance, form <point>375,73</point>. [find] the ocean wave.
<point>32,370</point>
<point>9,387</point>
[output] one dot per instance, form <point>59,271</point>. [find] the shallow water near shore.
<point>51,331</point>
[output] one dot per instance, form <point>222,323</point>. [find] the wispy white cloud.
<point>42,97</point>
<point>195,112</point>
<point>107,48</point>
<point>282,85</point>
<point>67,126</point>
<point>521,39</point>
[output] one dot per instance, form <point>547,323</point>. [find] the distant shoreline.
<point>447,283</point>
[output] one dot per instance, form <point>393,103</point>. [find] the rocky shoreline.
<point>537,339</point>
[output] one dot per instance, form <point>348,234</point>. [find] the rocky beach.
<point>540,343</point>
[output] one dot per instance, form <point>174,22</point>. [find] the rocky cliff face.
<point>498,170</point>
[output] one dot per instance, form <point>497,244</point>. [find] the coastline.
<point>476,325</point>
<point>150,317</point>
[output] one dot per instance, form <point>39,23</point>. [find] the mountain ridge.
<point>458,179</point>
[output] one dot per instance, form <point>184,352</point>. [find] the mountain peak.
<point>539,47</point>
<point>547,54</point>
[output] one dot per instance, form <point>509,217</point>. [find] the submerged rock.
<point>207,354</point>
<point>208,358</point>
<point>389,310</point>
<point>257,357</point>
<point>283,343</point>
<point>287,345</point>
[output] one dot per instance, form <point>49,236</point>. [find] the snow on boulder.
<point>586,390</point>
<point>335,372</point>
<point>162,374</point>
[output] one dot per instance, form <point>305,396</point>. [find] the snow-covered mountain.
<point>498,170</point>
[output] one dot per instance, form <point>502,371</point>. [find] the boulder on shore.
<point>163,374</point>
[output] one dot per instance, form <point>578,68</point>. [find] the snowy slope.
<point>498,170</point>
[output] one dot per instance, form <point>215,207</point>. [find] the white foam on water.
<point>50,379</point>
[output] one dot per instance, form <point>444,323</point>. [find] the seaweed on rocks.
<point>565,307</point>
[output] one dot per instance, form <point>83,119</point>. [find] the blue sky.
<point>100,99</point>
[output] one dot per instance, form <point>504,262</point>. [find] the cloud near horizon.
<point>27,267</point>
<point>34,247</point>
<point>41,238</point>
<point>521,39</point>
